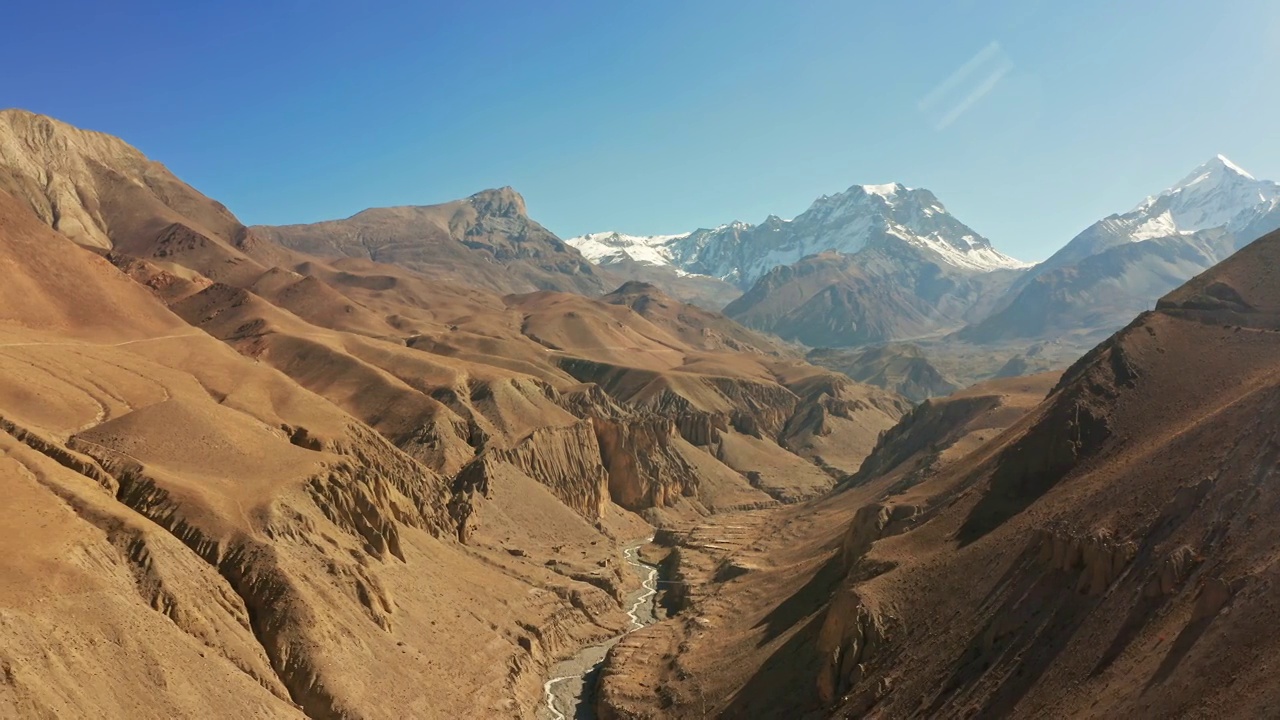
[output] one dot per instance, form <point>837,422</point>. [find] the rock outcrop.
<point>871,523</point>
<point>1097,556</point>
<point>852,634</point>
<point>644,470</point>
<point>566,460</point>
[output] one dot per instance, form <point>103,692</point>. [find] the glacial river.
<point>571,690</point>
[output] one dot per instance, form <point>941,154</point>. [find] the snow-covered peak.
<point>1212,172</point>
<point>1218,174</point>
<point>1216,194</point>
<point>847,222</point>
<point>610,246</point>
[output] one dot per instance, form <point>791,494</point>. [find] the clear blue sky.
<point>658,117</point>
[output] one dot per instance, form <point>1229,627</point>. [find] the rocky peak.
<point>74,180</point>
<point>639,296</point>
<point>27,138</point>
<point>501,202</point>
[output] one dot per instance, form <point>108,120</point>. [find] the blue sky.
<point>1029,119</point>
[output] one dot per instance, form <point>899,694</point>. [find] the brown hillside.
<point>1104,556</point>
<point>486,241</point>
<point>335,486</point>
<point>247,543</point>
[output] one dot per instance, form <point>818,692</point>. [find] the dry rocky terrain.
<point>382,467</point>
<point>398,465</point>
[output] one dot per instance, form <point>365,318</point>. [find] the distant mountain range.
<point>881,264</point>
<point>864,216</point>
<point>872,264</point>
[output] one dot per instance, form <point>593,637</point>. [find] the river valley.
<point>570,691</point>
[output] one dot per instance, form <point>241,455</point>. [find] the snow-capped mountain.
<point>604,248</point>
<point>1216,195</point>
<point>847,223</point>
<point>1122,264</point>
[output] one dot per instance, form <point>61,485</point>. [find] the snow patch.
<point>1234,167</point>
<point>886,191</point>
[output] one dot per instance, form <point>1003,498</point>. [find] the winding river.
<point>571,687</point>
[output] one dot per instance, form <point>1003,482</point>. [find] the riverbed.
<point>569,694</point>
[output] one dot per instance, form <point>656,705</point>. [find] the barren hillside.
<point>296,483</point>
<point>1102,552</point>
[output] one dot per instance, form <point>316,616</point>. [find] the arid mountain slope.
<point>753,586</point>
<point>890,290</point>
<point>102,193</point>
<point>487,241</point>
<point>902,368</point>
<point>248,545</point>
<point>694,326</point>
<point>424,343</point>
<point>351,488</point>
<point>1105,556</point>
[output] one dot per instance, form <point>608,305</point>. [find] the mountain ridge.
<point>845,222</point>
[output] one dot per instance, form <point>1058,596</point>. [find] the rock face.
<point>1097,556</point>
<point>567,460</point>
<point>645,470</point>
<point>31,143</point>
<point>851,636</point>
<point>819,416</point>
<point>871,523</point>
